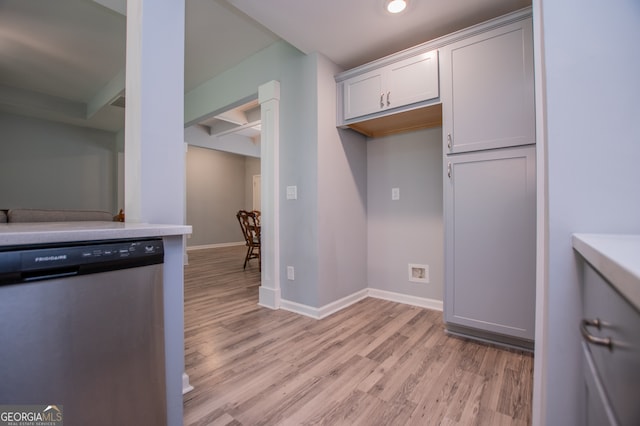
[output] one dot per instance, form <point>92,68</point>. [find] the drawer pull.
<point>602,341</point>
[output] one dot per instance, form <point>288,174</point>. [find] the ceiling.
<point>64,60</point>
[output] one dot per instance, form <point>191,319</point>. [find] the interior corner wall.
<point>342,196</point>
<point>411,229</point>
<point>47,165</point>
<point>299,167</point>
<point>215,193</point>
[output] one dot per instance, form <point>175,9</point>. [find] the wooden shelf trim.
<point>415,119</point>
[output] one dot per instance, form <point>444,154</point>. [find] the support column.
<point>154,156</point>
<point>269,99</point>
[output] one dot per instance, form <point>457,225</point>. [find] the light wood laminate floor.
<point>373,363</point>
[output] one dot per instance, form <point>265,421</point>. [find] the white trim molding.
<point>186,386</point>
<point>218,245</point>
<point>269,297</point>
<point>326,310</point>
<point>269,99</point>
<point>422,302</point>
<point>333,307</point>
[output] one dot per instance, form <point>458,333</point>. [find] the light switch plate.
<point>395,194</point>
<point>292,192</point>
<point>291,274</point>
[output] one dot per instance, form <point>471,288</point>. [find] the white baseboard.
<point>326,310</point>
<point>219,245</point>
<point>269,297</point>
<point>186,386</point>
<point>340,304</point>
<point>299,308</point>
<point>422,302</point>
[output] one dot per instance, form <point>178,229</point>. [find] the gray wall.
<point>409,230</point>
<point>299,166</point>
<point>251,168</point>
<point>342,197</point>
<point>215,193</point>
<point>593,148</point>
<point>50,165</point>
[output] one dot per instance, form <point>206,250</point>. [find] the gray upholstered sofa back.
<point>34,215</point>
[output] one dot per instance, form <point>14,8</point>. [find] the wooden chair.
<point>250,225</point>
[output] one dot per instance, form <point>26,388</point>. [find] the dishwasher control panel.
<point>26,263</point>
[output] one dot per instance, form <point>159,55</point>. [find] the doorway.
<point>199,134</point>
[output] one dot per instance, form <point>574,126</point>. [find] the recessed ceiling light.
<point>396,6</point>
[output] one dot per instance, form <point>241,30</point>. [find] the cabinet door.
<point>487,90</point>
<point>598,411</point>
<point>490,241</point>
<point>363,94</point>
<point>618,367</point>
<point>412,80</point>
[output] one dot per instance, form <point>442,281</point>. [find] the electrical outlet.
<point>291,275</point>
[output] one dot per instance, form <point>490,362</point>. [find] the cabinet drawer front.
<point>618,368</point>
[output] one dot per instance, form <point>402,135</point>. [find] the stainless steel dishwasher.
<point>81,326</point>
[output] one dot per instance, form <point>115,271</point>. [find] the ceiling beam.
<point>107,94</point>
<point>119,6</point>
<point>235,129</point>
<point>233,116</point>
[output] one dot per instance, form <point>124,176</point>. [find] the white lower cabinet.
<point>610,330</point>
<point>490,244</point>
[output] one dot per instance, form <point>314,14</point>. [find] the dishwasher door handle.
<point>49,275</point>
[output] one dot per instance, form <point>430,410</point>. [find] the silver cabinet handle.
<point>388,103</point>
<point>601,341</point>
<point>449,170</point>
<point>381,100</point>
<point>449,140</point>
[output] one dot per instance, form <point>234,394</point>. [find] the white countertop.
<point>617,258</point>
<point>55,232</point>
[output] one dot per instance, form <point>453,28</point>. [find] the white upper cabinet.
<point>401,83</point>
<point>363,94</point>
<point>488,90</point>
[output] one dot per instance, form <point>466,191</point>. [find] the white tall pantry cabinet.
<point>489,185</point>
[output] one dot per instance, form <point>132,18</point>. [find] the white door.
<point>257,182</point>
